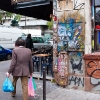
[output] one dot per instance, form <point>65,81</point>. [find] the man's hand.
<point>31,74</point>
<point>7,74</point>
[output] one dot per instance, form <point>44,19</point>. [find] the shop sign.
<point>29,3</point>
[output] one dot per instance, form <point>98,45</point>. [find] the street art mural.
<point>76,63</point>
<point>71,35</point>
<point>71,25</point>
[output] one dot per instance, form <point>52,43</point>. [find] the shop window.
<point>96,25</point>
<point>97,2</point>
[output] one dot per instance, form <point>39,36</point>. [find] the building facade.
<point>73,29</point>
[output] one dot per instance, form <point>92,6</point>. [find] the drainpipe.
<point>88,27</point>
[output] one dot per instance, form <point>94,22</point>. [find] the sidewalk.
<point>70,94</point>
<point>53,91</point>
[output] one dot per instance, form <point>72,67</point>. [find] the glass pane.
<point>97,2</point>
<point>37,40</point>
<point>0,48</point>
<point>98,37</point>
<point>97,16</point>
<point>98,41</point>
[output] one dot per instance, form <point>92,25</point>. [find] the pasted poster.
<point>62,64</point>
<point>76,63</point>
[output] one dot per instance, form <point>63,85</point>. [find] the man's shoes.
<point>13,95</point>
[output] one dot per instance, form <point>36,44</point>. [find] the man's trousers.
<point>24,82</point>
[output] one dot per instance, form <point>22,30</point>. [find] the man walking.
<point>19,67</point>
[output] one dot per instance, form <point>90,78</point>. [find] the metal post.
<point>44,83</point>
<point>25,22</point>
<point>40,64</point>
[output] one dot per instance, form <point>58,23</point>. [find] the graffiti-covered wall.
<point>92,71</point>
<point>69,38</point>
<point>72,65</point>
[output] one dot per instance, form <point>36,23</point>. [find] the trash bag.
<point>7,85</point>
<point>31,91</point>
<point>34,84</point>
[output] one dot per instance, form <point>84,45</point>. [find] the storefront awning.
<point>39,10</point>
